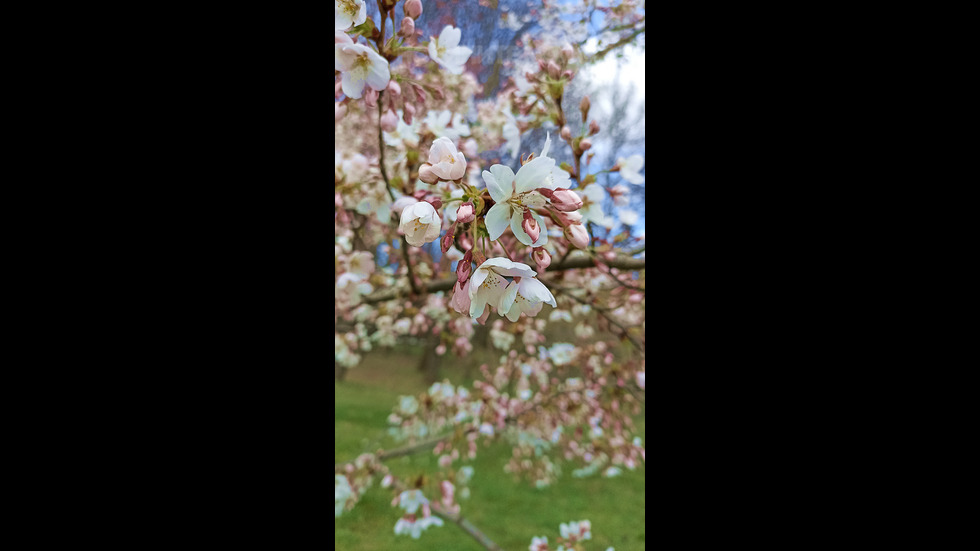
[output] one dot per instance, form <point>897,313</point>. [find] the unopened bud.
<point>447,241</point>
<point>541,258</point>
<point>566,200</point>
<point>464,268</point>
<point>413,8</point>
<point>530,226</point>
<point>419,93</point>
<point>545,191</point>
<point>569,218</point>
<point>554,71</point>
<point>409,113</point>
<point>567,51</point>
<point>426,174</point>
<point>465,213</point>
<point>394,88</point>
<point>435,202</point>
<point>407,28</point>
<point>568,74</point>
<point>389,121</point>
<point>566,133</point>
<point>542,65</point>
<point>370,96</point>
<point>593,127</point>
<point>437,92</point>
<point>584,107</point>
<point>585,145</point>
<point>577,235</point>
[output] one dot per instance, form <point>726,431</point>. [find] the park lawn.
<point>508,511</point>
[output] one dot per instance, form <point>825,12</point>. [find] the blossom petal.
<point>449,37</point>
<point>352,85</point>
<point>535,291</point>
<point>533,174</point>
<point>504,177</point>
<point>507,299</point>
<point>496,219</point>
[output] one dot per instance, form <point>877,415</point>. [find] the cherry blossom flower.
<point>447,162</point>
<point>487,284</point>
<point>592,197</point>
<point>360,65</point>
<point>562,353</point>
<point>445,123</point>
<point>539,544</point>
<point>409,525</point>
<point>420,223</point>
<point>447,52</point>
<point>527,297</point>
<point>411,500</point>
<point>347,12</point>
<point>629,169</point>
<point>515,194</point>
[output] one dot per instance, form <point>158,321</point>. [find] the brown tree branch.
<point>622,263</point>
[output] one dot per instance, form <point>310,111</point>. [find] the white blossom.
<point>420,223</point>
<point>348,12</point>
<point>629,169</point>
<point>446,51</point>
<point>360,65</point>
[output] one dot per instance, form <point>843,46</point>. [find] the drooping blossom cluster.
<point>427,166</point>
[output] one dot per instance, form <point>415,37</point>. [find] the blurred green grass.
<point>507,510</point>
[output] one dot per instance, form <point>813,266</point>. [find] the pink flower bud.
<point>585,145</point>
<point>419,93</point>
<point>569,218</point>
<point>409,113</point>
<point>426,174</point>
<point>370,96</point>
<point>435,202</point>
<point>566,200</point>
<point>567,51</point>
<point>584,107</point>
<point>593,127</point>
<point>389,121</point>
<point>554,71</point>
<point>568,74</point>
<point>464,267</point>
<point>545,191</point>
<point>413,8</point>
<point>530,226</point>
<point>394,88</point>
<point>542,65</point>
<point>407,28</point>
<point>437,92</point>
<point>566,133</point>
<point>447,241</point>
<point>541,258</point>
<point>465,213</point>
<point>577,235</point>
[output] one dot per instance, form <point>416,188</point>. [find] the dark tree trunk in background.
<point>429,366</point>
